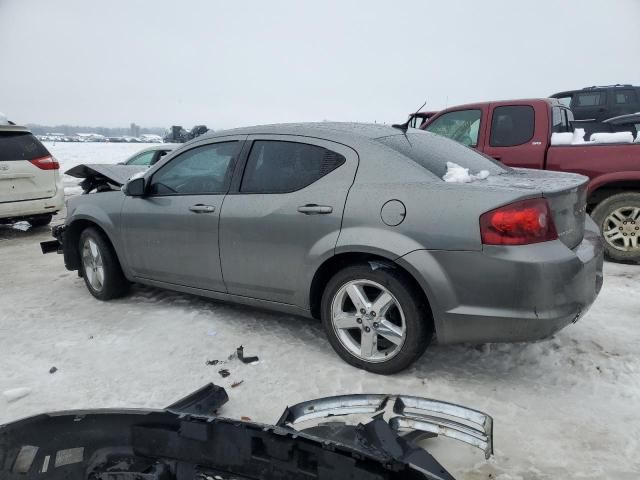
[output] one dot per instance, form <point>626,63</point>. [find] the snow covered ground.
<point>71,154</point>
<point>567,407</point>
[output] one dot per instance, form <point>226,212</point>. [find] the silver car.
<point>352,224</point>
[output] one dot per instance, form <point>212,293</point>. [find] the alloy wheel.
<point>621,229</point>
<point>368,321</point>
<point>92,261</point>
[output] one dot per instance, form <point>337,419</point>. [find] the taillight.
<point>46,163</point>
<point>520,223</point>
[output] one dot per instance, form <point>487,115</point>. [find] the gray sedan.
<point>367,227</point>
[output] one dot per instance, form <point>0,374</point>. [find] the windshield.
<point>432,152</point>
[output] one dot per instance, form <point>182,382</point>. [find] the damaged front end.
<point>188,441</point>
<point>97,177</point>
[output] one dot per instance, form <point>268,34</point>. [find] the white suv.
<point>30,183</point>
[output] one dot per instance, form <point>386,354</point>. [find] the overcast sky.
<point>233,63</point>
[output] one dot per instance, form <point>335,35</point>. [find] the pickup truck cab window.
<point>512,125</point>
<point>462,126</point>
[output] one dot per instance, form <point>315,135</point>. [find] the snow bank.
<point>577,138</point>
<point>568,138</point>
<point>458,174</point>
<point>561,138</point>
<point>16,393</point>
<point>616,137</point>
<point>637,138</point>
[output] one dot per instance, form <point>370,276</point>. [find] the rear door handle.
<point>200,208</point>
<point>313,209</point>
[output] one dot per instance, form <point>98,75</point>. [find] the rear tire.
<point>40,220</point>
<point>618,218</point>
<point>100,267</point>
<point>397,334</point>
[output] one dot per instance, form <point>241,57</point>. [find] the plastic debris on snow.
<point>458,174</point>
<point>16,394</point>
<point>224,373</point>
<point>253,360</point>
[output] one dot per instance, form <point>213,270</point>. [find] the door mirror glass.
<point>134,187</point>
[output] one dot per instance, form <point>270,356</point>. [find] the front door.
<point>171,234</point>
<point>285,215</point>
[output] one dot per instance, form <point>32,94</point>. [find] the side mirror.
<point>134,187</point>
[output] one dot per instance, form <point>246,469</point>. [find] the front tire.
<point>100,267</point>
<point>618,218</point>
<point>375,318</point>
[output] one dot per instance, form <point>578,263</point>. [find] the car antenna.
<point>405,126</point>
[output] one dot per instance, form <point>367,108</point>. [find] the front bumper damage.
<point>187,440</point>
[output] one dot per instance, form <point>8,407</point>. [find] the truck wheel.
<point>100,267</point>
<point>375,319</point>
<point>618,218</point>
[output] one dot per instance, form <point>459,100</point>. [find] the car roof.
<point>343,131</point>
<point>14,128</point>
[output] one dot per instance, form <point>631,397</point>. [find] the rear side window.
<point>512,125</point>
<point>281,167</point>
<point>434,151</point>
<point>625,96</point>
<point>462,126</point>
<point>20,146</point>
<point>590,99</point>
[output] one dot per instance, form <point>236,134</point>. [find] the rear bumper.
<point>507,294</point>
<point>26,208</point>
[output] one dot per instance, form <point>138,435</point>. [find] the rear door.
<point>25,172</point>
<point>284,214</point>
<point>171,234</point>
<point>518,135</point>
<point>590,105</point>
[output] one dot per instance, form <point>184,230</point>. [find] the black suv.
<point>600,103</point>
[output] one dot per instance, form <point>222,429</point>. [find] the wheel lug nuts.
<point>358,320</point>
<point>367,329</point>
<point>375,325</point>
<point>373,314</point>
<point>619,228</point>
<point>363,311</point>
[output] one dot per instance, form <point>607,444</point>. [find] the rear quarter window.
<point>433,151</point>
<point>20,146</point>
<point>512,125</point>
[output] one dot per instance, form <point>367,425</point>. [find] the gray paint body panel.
<point>269,252</point>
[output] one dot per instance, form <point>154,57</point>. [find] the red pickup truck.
<point>518,133</point>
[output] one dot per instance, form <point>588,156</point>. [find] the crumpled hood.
<point>116,174</point>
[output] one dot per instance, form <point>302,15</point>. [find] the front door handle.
<point>313,209</point>
<point>200,208</point>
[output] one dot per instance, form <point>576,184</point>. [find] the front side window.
<point>462,126</point>
<point>142,159</point>
<point>281,167</point>
<point>512,125</point>
<point>201,170</point>
<point>590,99</point>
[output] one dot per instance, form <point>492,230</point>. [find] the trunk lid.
<point>19,178</point>
<point>565,192</point>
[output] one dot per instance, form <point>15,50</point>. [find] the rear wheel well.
<point>72,237</point>
<point>610,189</point>
<point>340,261</point>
